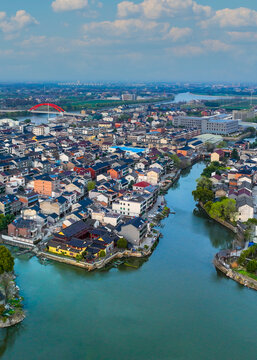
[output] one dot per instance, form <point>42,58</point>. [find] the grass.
<point>246,273</point>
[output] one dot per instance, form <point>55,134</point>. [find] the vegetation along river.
<point>173,307</point>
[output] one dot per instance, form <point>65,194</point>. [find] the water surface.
<point>175,306</point>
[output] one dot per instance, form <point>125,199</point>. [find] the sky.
<point>134,40</point>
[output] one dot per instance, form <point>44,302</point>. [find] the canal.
<point>174,306</point>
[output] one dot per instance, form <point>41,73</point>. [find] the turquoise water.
<point>174,307</point>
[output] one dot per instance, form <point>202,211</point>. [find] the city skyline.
<point>150,40</point>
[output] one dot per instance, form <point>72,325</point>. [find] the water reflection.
<point>8,336</point>
<point>219,236</point>
<point>185,172</point>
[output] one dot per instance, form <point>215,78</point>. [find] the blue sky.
<point>137,40</point>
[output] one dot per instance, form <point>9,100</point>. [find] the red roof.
<point>142,184</point>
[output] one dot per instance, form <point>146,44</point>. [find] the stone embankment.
<point>240,278</point>
<point>12,321</point>
<point>97,264</point>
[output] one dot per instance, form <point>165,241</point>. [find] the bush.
<point>122,243</point>
<point>90,185</point>
<point>2,309</point>
<point>102,254</point>
<point>251,266</point>
<point>6,260</point>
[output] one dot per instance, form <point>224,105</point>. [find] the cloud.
<point>176,33</point>
<point>154,9</point>
<point>186,50</point>
<point>127,27</point>
<point>216,45</point>
<point>17,22</point>
<point>232,18</point>
<point>126,8</point>
<point>243,35</point>
<point>67,5</point>
<point>34,41</point>
<point>204,48</point>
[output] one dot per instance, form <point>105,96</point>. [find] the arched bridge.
<point>56,107</point>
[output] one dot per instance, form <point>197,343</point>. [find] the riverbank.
<point>11,308</point>
<point>224,267</point>
<point>135,307</point>
<point>222,222</point>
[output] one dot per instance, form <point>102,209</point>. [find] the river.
<point>175,306</point>
<point>181,97</point>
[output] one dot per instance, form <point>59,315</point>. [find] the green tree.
<point>222,144</point>
<point>209,146</point>
<point>176,160</point>
<point>203,195</point>
<point>216,210</point>
<point>235,155</point>
<point>2,309</point>
<point>214,167</point>
<point>27,121</point>
<point>6,260</point>
<point>224,209</point>
<point>90,185</point>
<point>102,254</point>
<point>204,183</point>
<point>251,266</point>
<point>5,221</point>
<point>122,243</point>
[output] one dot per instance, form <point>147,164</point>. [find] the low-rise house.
<point>59,206</point>
<point>245,208</point>
<point>153,176</point>
<point>45,185</point>
<point>10,204</point>
<point>134,230</point>
<point>25,231</point>
<point>217,155</point>
<point>28,199</point>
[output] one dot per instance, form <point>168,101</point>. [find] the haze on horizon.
<point>136,40</point>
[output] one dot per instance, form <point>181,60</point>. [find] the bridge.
<point>35,109</point>
<point>65,113</point>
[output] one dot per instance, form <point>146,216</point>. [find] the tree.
<point>6,260</point>
<point>5,220</point>
<point>27,121</point>
<point>204,182</point>
<point>209,146</point>
<point>203,195</point>
<point>224,209</point>
<point>122,243</point>
<point>6,286</point>
<point>251,129</point>
<point>251,266</point>
<point>235,155</point>
<point>102,254</point>
<point>214,167</point>
<point>90,185</point>
<point>229,208</point>
<point>2,309</point>
<point>176,160</point>
<point>222,144</point>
